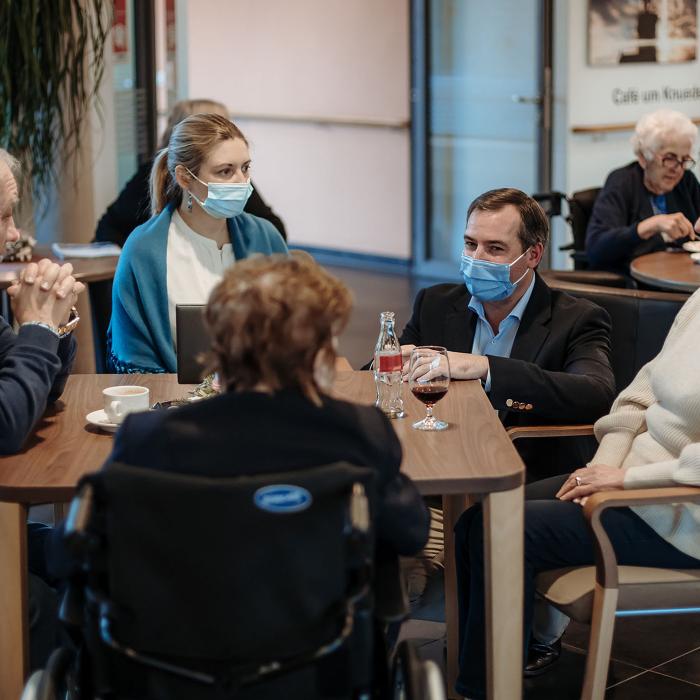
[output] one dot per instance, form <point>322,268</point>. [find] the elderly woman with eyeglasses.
<point>652,202</point>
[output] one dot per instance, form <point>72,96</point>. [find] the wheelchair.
<point>203,588</point>
<point>579,209</point>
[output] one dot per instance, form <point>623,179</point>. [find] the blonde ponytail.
<point>162,183</point>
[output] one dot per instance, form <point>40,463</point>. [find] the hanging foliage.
<point>51,65</point>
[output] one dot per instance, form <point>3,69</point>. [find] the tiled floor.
<point>653,657</point>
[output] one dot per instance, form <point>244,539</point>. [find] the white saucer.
<point>692,246</point>
<point>695,257</point>
<point>99,419</point>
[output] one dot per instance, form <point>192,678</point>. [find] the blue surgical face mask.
<point>489,281</point>
<point>224,199</point>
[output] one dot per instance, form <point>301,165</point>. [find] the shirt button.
<point>528,407</point>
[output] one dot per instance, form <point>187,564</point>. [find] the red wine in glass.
<point>429,379</point>
<point>429,395</point>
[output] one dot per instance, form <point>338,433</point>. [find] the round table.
<point>84,269</point>
<point>674,271</point>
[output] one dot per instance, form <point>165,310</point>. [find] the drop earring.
<point>189,201</point>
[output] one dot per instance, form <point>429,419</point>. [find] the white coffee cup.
<point>119,401</point>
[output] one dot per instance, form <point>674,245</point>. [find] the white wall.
<point>613,95</point>
<point>288,65</point>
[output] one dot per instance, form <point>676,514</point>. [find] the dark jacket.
<point>254,433</point>
<point>558,371</point>
<point>132,208</point>
<point>612,241</point>
<point>34,367</point>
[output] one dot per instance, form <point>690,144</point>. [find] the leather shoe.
<point>541,658</point>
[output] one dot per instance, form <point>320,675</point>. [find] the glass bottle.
<point>387,368</point>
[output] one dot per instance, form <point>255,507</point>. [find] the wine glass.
<point>429,379</point>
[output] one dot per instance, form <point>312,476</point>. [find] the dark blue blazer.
<point>251,433</point>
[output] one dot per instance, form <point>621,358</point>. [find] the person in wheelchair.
<point>273,323</point>
<point>649,203</point>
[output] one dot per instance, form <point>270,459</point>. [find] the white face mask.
<point>224,199</point>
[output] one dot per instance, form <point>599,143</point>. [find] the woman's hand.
<point>675,226</point>
<point>588,480</point>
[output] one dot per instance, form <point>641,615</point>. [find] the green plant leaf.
<point>51,65</point>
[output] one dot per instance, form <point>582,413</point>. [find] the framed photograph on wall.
<point>642,31</point>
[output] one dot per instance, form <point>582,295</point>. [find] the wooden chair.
<point>593,594</point>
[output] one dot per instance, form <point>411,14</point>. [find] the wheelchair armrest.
<point>390,595</point>
<point>606,560</point>
<point>79,512</point>
<point>516,432</point>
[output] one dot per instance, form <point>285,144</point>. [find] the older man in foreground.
<point>34,365</point>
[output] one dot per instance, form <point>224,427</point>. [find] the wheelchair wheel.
<point>413,679</point>
<point>32,686</point>
<point>52,682</point>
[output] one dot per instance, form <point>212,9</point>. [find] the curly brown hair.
<point>272,319</point>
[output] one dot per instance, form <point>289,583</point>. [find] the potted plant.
<point>51,65</point>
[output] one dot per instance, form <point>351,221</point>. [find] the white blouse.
<point>195,264</point>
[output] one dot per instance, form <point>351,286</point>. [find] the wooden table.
<point>474,456</point>
<point>84,269</point>
<point>674,271</point>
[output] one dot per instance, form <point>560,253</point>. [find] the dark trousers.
<point>556,535</point>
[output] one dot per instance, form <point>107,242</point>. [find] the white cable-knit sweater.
<point>653,430</point>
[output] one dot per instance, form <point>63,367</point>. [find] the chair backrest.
<point>580,210</point>
<point>640,323</point>
<point>247,569</point>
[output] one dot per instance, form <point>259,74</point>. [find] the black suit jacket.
<point>558,371</point>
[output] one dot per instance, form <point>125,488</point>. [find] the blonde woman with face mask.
<point>199,187</point>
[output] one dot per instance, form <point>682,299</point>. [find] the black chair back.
<point>580,210</point>
<point>640,323</point>
<point>230,574</point>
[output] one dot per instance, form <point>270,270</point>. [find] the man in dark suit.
<point>542,355</point>
<point>34,365</point>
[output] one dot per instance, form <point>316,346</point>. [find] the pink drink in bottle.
<point>387,368</point>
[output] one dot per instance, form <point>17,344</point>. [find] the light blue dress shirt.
<point>500,344</point>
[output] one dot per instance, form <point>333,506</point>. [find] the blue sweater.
<point>139,336</point>
<point>34,367</point>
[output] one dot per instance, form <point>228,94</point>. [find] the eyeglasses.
<point>669,160</point>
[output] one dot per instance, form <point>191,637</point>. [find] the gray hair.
<point>656,128</point>
<point>11,162</point>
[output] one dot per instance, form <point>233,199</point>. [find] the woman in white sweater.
<point>650,438</point>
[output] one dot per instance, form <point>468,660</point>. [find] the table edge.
<point>660,283</point>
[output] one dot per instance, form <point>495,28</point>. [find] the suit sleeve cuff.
<point>487,383</point>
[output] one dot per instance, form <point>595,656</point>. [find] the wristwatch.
<point>70,325</point>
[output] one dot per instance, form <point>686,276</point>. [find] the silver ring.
<point>578,481</point>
